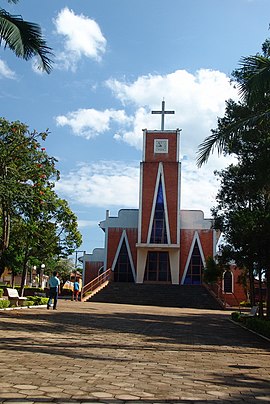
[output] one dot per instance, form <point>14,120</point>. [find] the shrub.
<point>4,304</point>
<point>1,292</point>
<point>258,325</point>
<point>236,316</point>
<point>36,300</point>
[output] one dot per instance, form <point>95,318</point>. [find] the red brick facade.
<point>186,231</point>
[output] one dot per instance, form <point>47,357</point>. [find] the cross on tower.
<point>162,112</point>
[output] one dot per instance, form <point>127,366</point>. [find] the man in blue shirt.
<point>54,284</point>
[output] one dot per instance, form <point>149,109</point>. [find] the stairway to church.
<point>188,296</point>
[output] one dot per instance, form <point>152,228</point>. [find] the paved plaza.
<point>108,353</point>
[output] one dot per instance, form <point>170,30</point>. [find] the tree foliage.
<point>242,211</point>
<point>35,223</point>
<point>24,39</point>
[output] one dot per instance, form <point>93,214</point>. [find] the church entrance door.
<point>157,267</point>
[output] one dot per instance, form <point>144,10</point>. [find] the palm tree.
<point>253,83</point>
<point>24,39</point>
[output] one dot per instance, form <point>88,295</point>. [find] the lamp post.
<point>76,256</point>
<point>34,272</point>
<point>42,266</point>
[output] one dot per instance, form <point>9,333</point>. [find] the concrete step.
<point>189,296</point>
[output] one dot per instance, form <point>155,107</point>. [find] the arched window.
<point>228,282</point>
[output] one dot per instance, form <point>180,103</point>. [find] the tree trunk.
<point>24,273</point>
<point>12,279</point>
<point>251,286</point>
<point>260,294</point>
<point>267,274</point>
<point>5,237</point>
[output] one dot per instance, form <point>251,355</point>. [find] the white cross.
<point>162,112</point>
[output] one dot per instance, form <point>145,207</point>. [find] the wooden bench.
<point>252,313</point>
<point>13,297</point>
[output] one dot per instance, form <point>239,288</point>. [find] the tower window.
<point>159,233</point>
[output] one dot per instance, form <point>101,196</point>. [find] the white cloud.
<point>87,223</point>
<point>83,37</point>
<point>5,71</point>
<point>198,99</point>
<point>104,184</point>
<point>90,122</point>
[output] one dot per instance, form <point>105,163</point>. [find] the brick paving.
<point>109,353</point>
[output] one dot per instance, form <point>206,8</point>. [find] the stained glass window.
<point>122,270</point>
<point>195,268</point>
<point>159,233</point>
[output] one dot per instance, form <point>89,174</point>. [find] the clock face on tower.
<point>161,145</point>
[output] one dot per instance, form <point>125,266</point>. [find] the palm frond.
<point>220,139</point>
<point>214,141</point>
<point>24,39</point>
<point>256,78</point>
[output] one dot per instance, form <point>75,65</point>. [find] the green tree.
<point>242,213</point>
<point>33,217</point>
<point>212,271</point>
<point>252,80</point>
<point>64,267</point>
<point>243,200</point>
<point>24,39</point>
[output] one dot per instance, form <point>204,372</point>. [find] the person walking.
<point>76,289</point>
<point>54,284</point>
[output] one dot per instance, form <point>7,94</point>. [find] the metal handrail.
<point>216,289</point>
<point>97,282</point>
<point>220,294</point>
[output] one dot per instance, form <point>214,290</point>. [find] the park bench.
<point>252,313</point>
<point>13,297</point>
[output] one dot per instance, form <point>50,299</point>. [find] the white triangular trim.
<point>124,237</point>
<point>160,176</point>
<point>195,238</point>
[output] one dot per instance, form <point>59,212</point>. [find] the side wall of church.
<point>238,295</point>
<point>91,270</point>
<point>186,238</point>
<point>114,237</point>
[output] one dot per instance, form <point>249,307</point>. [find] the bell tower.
<point>158,247</point>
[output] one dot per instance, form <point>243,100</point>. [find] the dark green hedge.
<point>261,326</point>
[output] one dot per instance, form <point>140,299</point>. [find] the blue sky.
<point>115,60</point>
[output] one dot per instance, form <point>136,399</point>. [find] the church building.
<point>159,242</point>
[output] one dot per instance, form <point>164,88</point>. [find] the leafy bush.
<point>1,292</point>
<point>4,304</point>
<point>258,325</point>
<point>236,315</point>
<point>36,300</point>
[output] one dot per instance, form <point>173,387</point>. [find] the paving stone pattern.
<point>114,353</point>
